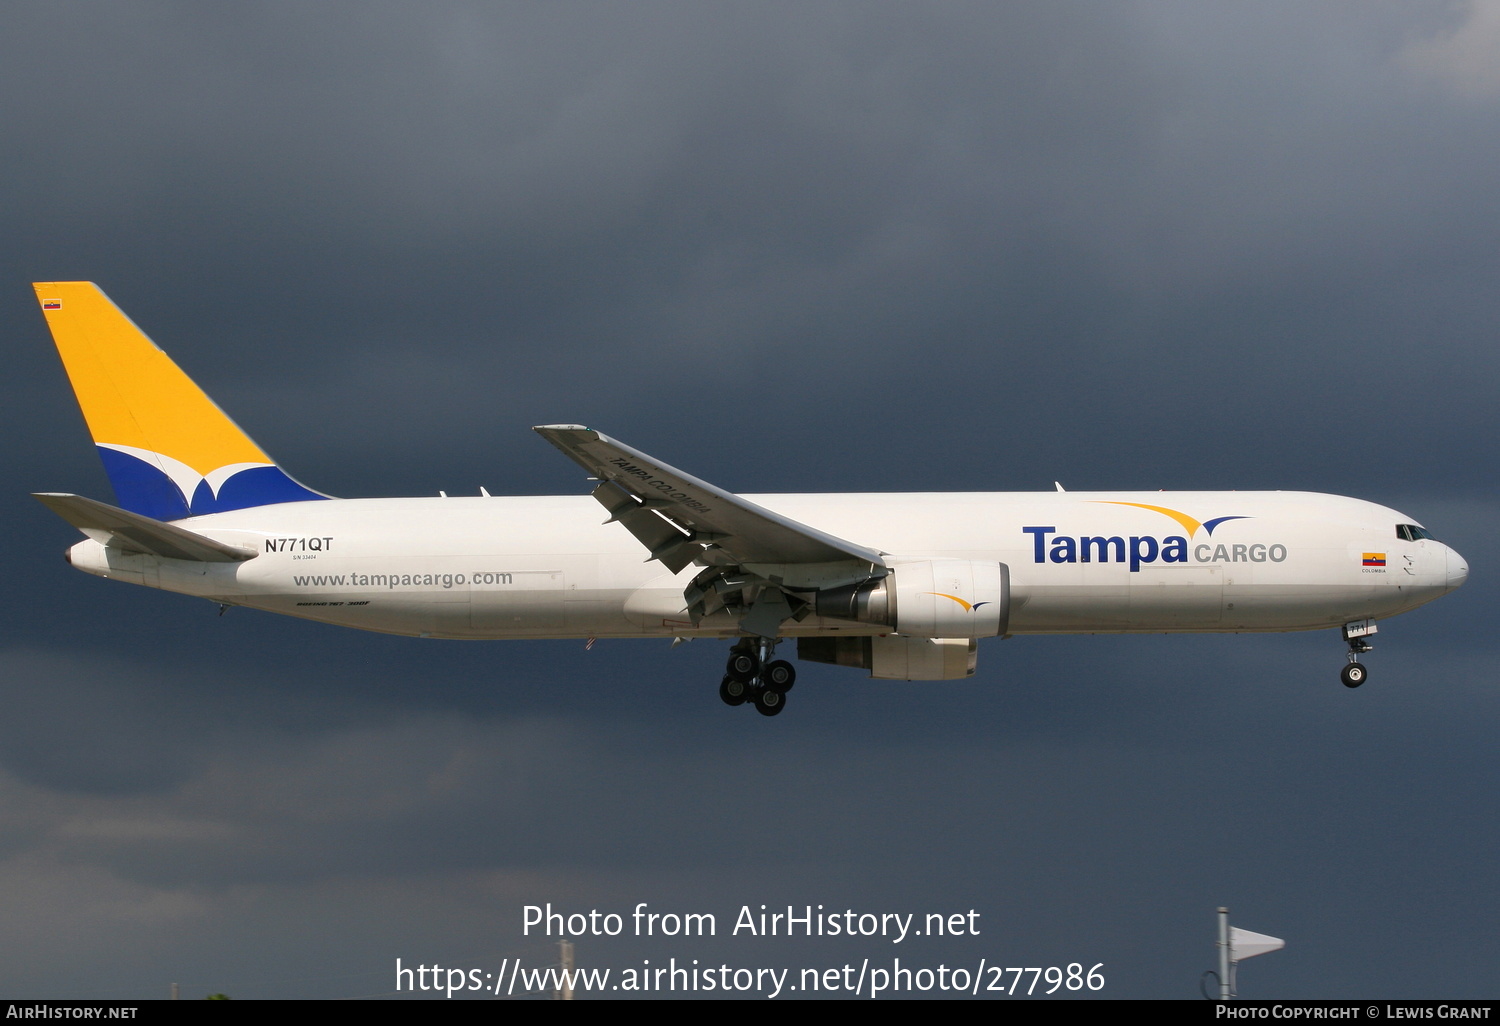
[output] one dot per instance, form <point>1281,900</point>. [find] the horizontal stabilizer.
<point>132,532</point>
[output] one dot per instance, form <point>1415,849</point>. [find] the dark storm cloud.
<point>1079,784</point>
<point>1047,207</point>
<point>786,247</point>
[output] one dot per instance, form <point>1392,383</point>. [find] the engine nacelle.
<point>929,598</point>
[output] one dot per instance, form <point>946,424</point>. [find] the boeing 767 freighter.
<point>900,584</point>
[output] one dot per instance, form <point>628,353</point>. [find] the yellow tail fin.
<point>168,450</point>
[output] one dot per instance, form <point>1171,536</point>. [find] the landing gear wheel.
<point>769,702</point>
<point>743,666</point>
<point>1353,675</point>
<point>779,675</point>
<point>733,692</point>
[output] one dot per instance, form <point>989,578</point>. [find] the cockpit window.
<point>1411,532</point>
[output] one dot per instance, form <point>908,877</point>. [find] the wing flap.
<point>723,527</point>
<point>133,532</point>
<point>662,538</point>
<point>758,564</point>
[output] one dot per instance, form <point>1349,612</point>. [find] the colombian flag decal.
<point>1374,559</point>
<point>52,304</point>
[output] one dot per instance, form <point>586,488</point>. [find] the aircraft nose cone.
<point>1458,570</point>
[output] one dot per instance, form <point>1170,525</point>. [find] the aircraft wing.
<point>133,532</point>
<point>681,519</point>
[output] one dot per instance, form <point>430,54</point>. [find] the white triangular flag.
<point>1243,944</point>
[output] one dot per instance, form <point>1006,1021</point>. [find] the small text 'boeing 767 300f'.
<point>902,585</point>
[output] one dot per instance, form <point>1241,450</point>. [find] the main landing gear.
<point>753,676</point>
<point>1355,674</point>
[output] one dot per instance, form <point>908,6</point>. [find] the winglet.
<point>169,451</point>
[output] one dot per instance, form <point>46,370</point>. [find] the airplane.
<point>902,585</point>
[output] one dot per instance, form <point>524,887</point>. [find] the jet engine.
<point>930,598</point>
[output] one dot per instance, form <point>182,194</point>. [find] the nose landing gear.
<point>753,676</point>
<point>1355,674</point>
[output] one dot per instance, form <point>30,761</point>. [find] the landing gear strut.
<point>1355,674</point>
<point>752,675</point>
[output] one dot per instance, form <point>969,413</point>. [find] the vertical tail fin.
<point>168,450</point>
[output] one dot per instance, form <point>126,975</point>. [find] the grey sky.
<point>786,247</point>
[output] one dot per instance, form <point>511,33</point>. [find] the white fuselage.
<point>1080,562</point>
